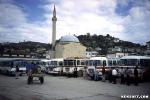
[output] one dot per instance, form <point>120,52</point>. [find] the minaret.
<point>54,19</point>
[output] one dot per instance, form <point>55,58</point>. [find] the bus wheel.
<point>80,73</point>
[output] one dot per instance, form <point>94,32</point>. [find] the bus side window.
<point>78,62</point>
<point>1,64</point>
<point>11,64</point>
<point>61,63</point>
<point>110,63</point>
<point>104,63</point>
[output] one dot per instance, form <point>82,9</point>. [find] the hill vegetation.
<point>90,41</point>
<point>105,42</point>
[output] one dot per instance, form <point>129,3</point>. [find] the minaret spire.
<point>54,11</point>
<point>54,19</point>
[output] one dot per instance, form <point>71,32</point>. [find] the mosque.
<point>68,45</point>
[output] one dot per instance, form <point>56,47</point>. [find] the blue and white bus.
<point>8,65</point>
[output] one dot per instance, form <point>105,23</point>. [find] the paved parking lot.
<point>63,88</point>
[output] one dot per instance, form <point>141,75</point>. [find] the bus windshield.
<point>19,63</point>
<point>129,62</point>
<point>97,63</point>
<point>69,62</point>
<point>94,63</point>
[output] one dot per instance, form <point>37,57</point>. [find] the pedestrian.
<point>61,72</point>
<point>75,72</point>
<point>110,75</point>
<point>122,76</point>
<point>128,73</point>
<point>96,75</point>
<point>136,76</point>
<point>114,75</point>
<point>85,73</point>
<point>103,74</point>
<point>17,72</point>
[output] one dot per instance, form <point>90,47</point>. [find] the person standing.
<point>110,75</point>
<point>122,75</point>
<point>128,76</point>
<point>96,75</point>
<point>17,72</point>
<point>75,72</point>
<point>136,76</point>
<point>85,73</point>
<point>103,73</point>
<point>114,75</point>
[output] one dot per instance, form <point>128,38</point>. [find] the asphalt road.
<point>63,88</point>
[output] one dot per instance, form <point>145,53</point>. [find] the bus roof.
<point>98,58</point>
<point>57,59</point>
<point>75,58</point>
<point>135,57</point>
<point>11,59</point>
<point>45,60</point>
<point>8,59</point>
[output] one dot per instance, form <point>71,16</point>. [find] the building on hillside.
<point>116,40</point>
<point>91,54</point>
<point>117,55</point>
<point>115,49</point>
<point>147,51</point>
<point>148,45</point>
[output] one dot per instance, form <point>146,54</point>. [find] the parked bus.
<point>96,64</point>
<point>8,65</point>
<point>142,62</point>
<point>44,64</point>
<point>74,62</point>
<point>55,66</point>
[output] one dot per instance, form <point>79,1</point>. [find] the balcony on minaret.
<point>54,18</point>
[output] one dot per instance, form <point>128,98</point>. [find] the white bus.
<point>44,64</point>
<point>142,62</point>
<point>55,66</point>
<point>74,62</point>
<point>96,64</point>
<point>8,65</point>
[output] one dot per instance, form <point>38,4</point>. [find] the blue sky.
<point>30,20</point>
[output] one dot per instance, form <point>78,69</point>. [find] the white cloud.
<point>137,24</point>
<point>14,26</point>
<point>77,17</point>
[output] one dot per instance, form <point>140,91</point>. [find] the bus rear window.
<point>145,62</point>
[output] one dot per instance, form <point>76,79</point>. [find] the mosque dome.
<point>69,38</point>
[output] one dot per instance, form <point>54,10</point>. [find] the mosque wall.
<point>70,50</point>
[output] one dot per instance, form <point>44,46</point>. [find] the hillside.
<point>23,47</point>
<point>90,41</point>
<point>105,42</point>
